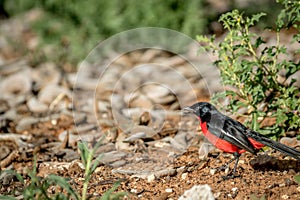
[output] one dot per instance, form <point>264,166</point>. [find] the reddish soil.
<point>260,177</point>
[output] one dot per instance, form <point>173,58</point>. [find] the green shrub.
<point>251,69</point>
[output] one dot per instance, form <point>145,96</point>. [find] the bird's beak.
<point>187,110</point>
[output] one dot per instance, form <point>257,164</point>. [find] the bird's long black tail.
<point>275,145</point>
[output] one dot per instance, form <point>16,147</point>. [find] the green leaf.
<point>7,198</point>
<point>297,178</point>
<point>256,18</point>
<point>108,195</point>
<point>202,38</point>
<point>254,197</point>
<point>96,163</point>
<point>291,68</point>
<point>84,152</point>
<point>57,180</point>
<point>258,42</point>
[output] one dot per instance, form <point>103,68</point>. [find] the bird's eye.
<point>205,109</point>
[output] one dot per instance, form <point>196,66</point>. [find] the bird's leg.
<point>226,165</point>
<point>232,174</point>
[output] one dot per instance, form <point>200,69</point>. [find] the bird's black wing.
<point>230,130</point>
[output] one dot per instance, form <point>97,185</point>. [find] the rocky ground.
<point>133,97</point>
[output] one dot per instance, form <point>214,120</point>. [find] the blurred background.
<point>133,98</point>
<point>66,31</point>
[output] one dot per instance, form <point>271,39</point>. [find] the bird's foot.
<point>230,176</point>
<point>221,168</point>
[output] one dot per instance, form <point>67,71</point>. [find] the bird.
<point>231,136</point>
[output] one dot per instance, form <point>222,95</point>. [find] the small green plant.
<point>297,179</point>
<point>38,187</point>
<point>110,195</point>
<point>87,158</point>
<point>254,197</point>
<point>90,166</point>
<point>250,69</point>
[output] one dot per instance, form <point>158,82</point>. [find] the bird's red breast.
<point>218,142</point>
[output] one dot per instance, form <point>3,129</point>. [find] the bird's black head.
<point>201,109</point>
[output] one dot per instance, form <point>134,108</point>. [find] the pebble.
<point>183,139</point>
<point>165,100</point>
<point>212,171</point>
<point>16,84</point>
<point>155,91</point>
<point>118,163</point>
<point>45,74</point>
<point>140,132</point>
<point>6,178</point>
<point>103,106</point>
<point>217,195</point>
<point>12,67</point>
<point>151,178</point>
<point>198,192</point>
<point>36,106</point>
<point>292,142</point>
<point>227,170</point>
<point>54,122</point>
<point>181,169</point>
<point>204,149</point>
<point>50,92</point>
<point>175,144</point>
<point>282,185</point>
<point>86,83</point>
<point>136,136</point>
<point>112,156</point>
<point>85,128</point>
<point>141,101</point>
<point>79,117</point>
<point>135,191</point>
<point>160,144</point>
<point>169,190</point>
<point>26,123</point>
<point>184,176</point>
<point>165,172</point>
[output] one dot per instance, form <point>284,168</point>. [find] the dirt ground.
<point>260,177</point>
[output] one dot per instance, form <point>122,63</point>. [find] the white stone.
<point>151,178</point>
<point>169,190</point>
<point>36,106</point>
<point>198,192</point>
<point>184,176</point>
